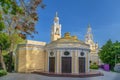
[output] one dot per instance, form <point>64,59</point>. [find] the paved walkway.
<point>19,76</point>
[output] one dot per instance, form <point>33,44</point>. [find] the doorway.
<point>51,64</point>
<point>66,64</point>
<point>81,64</point>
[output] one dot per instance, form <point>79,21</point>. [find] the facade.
<point>94,58</point>
<point>64,54</point>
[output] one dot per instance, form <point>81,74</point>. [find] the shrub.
<point>3,72</point>
<point>94,66</point>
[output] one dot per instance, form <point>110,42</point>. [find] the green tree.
<point>18,19</point>
<point>108,52</point>
<point>4,44</point>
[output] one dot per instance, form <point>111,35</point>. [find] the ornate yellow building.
<point>61,55</point>
<point>94,58</point>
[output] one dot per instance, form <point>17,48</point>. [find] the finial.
<point>56,18</point>
<point>88,25</point>
<point>56,15</point>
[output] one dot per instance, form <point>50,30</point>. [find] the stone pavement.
<point>20,76</point>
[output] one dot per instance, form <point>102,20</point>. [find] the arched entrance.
<point>66,63</point>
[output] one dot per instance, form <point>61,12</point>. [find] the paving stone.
<point>20,76</point>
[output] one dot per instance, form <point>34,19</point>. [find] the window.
<point>82,53</point>
<point>51,53</point>
<point>66,53</point>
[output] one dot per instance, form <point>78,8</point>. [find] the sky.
<point>75,15</point>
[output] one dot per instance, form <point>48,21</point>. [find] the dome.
<point>68,41</point>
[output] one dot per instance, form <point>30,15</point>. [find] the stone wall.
<point>35,59</point>
<point>21,59</point>
<point>30,57</point>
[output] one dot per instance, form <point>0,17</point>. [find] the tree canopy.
<point>17,20</point>
<point>4,41</point>
<point>19,15</point>
<point>109,53</point>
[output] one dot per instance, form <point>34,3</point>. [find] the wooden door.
<point>81,64</point>
<point>51,64</point>
<point>66,65</point>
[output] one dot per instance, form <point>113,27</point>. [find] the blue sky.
<point>75,15</point>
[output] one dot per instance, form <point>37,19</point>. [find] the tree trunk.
<point>10,62</point>
<point>2,63</point>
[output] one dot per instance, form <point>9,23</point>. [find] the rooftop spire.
<point>56,15</point>
<point>89,26</point>
<point>89,35</point>
<point>89,29</point>
<point>56,19</point>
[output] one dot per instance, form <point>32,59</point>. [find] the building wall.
<point>46,62</point>
<point>74,54</point>
<point>94,58</point>
<point>30,57</point>
<point>21,60</point>
<point>35,59</point>
<point>36,42</point>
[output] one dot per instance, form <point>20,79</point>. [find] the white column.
<point>57,61</point>
<point>86,61</point>
<point>76,61</point>
<point>88,53</point>
<point>60,60</point>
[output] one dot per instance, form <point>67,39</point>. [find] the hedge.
<point>94,66</point>
<point>2,73</point>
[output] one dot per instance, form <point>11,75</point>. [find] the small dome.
<point>56,19</point>
<point>74,37</point>
<point>67,34</point>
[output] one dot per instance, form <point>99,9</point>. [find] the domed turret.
<point>56,29</point>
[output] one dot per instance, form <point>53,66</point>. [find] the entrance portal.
<point>66,64</point>
<point>81,64</point>
<point>51,64</point>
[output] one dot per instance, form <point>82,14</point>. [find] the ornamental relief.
<point>51,54</point>
<point>82,53</point>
